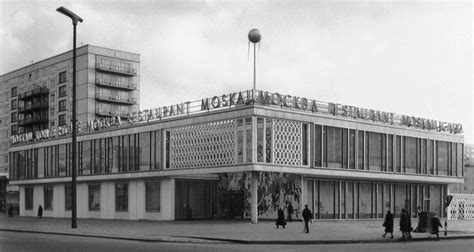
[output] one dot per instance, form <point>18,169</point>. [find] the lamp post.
<point>75,18</point>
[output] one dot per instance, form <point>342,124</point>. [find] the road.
<point>14,241</point>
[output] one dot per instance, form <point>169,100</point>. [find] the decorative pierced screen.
<point>202,145</point>
<point>461,207</point>
<point>287,142</point>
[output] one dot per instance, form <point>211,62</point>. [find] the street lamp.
<point>74,18</point>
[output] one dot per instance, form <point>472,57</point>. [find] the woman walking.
<point>388,224</point>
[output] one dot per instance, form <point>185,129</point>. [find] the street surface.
<point>19,241</point>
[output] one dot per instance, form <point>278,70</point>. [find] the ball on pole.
<point>254,36</point>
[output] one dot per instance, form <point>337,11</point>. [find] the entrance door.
<point>197,196</point>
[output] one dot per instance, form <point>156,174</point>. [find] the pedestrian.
<point>435,225</point>
<point>40,211</point>
<point>307,216</point>
<point>281,218</point>
<point>418,211</point>
<point>290,211</point>
<point>10,211</point>
<point>388,224</point>
<point>188,212</point>
<point>405,225</point>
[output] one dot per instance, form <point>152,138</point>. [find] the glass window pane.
<point>62,160</point>
<point>333,147</point>
<point>48,198</point>
<point>68,198</point>
<point>153,197</point>
<point>260,139</point>
<point>317,146</point>
<point>94,197</point>
<point>248,143</point>
<point>268,140</point>
<point>326,204</point>
<point>144,151</point>
<point>365,198</point>
<point>121,197</point>
<point>442,154</point>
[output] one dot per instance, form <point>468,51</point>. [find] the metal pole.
<point>74,200</point>
<point>254,67</point>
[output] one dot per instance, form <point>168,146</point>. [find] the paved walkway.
<point>240,231</point>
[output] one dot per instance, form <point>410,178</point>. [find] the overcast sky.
<point>407,58</point>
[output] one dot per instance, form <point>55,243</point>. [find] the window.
<point>62,105</point>
<point>14,91</point>
<point>48,198</point>
<point>62,77</point>
<point>14,117</point>
<point>14,104</point>
<point>121,197</point>
<point>153,197</point>
<point>375,151</point>
<point>52,111</point>
<point>68,198</point>
<point>62,91</point>
<point>333,146</point>
<point>94,197</point>
<point>29,198</point>
<point>443,155</point>
<point>62,120</point>
<point>14,130</point>
<point>53,96</point>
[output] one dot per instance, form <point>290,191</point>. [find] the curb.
<point>197,239</point>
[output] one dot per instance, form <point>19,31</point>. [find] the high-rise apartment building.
<point>39,96</point>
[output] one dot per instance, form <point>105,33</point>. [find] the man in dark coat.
<point>281,218</point>
<point>40,211</point>
<point>405,225</point>
<point>388,224</point>
<point>307,216</point>
<point>10,211</point>
<point>290,211</point>
<point>435,225</point>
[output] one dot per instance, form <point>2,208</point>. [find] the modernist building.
<point>242,154</point>
<point>39,96</point>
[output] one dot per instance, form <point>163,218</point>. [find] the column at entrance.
<point>254,196</point>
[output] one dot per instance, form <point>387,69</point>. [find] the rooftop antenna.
<point>254,37</point>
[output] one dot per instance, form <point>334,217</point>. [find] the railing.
<point>116,69</point>
<point>106,112</point>
<point>118,84</point>
<point>115,98</point>
<point>35,92</point>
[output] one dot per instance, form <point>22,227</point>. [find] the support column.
<point>254,196</point>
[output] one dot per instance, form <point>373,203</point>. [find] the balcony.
<point>116,69</point>
<point>38,91</point>
<point>105,112</point>
<point>115,98</point>
<point>33,106</point>
<point>116,84</point>
<point>35,119</point>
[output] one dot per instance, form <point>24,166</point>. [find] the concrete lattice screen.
<point>461,207</point>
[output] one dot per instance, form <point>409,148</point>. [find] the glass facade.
<point>352,199</point>
<point>286,143</point>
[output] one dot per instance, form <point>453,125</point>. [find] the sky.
<point>406,57</point>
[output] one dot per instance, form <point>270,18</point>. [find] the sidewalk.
<point>234,231</point>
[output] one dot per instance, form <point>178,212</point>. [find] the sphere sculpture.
<point>254,36</point>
